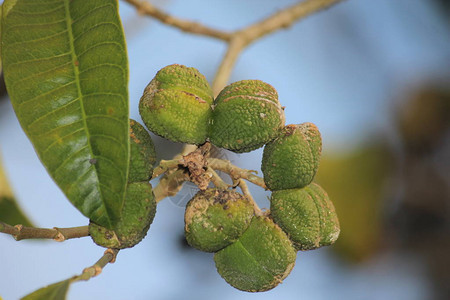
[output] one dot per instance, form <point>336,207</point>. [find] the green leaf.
<point>10,212</point>
<point>66,72</point>
<point>56,291</point>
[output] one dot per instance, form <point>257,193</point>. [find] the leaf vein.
<point>90,12</point>
<point>93,28</point>
<point>102,65</point>
<point>37,40</point>
<point>44,116</point>
<point>46,93</point>
<point>97,45</point>
<point>42,59</point>
<point>69,158</point>
<point>36,75</point>
<point>61,138</point>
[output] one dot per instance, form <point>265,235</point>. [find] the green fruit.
<point>246,116</point>
<point>142,153</point>
<point>216,218</point>
<point>261,258</point>
<point>291,160</point>
<point>176,105</point>
<point>137,214</point>
<point>307,215</point>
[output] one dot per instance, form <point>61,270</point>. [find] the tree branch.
<point>109,256</point>
<point>242,38</point>
<point>146,8</point>
<point>239,39</point>
<point>235,47</point>
<point>284,18</point>
<point>20,232</point>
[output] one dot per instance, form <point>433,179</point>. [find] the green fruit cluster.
<point>178,105</point>
<point>301,208</point>
<point>139,207</point>
<point>252,253</point>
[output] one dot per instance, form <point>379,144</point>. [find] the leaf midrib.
<point>80,94</point>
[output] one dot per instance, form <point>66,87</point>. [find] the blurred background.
<point>374,76</point>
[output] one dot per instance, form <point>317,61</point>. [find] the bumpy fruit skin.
<point>307,215</point>
<point>216,218</point>
<point>261,258</point>
<point>137,214</point>
<point>291,160</point>
<point>142,153</point>
<point>176,105</point>
<point>246,116</point>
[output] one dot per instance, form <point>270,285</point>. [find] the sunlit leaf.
<point>66,72</point>
<point>11,213</point>
<point>56,291</point>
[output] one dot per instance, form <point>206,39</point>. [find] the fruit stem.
<point>216,180</point>
<point>170,184</point>
<point>244,188</point>
<point>166,165</point>
<point>236,172</point>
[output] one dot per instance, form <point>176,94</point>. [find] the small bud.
<point>307,215</point>
<point>176,105</point>
<point>260,260</point>
<point>246,116</point>
<point>216,218</point>
<point>291,160</point>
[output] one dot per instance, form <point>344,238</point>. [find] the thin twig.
<point>108,257</point>
<point>239,39</point>
<point>216,180</point>
<point>166,165</point>
<point>20,232</point>
<point>242,38</point>
<point>146,8</point>
<point>172,181</point>
<point>235,47</point>
<point>284,18</point>
<point>236,172</point>
<point>244,188</point>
